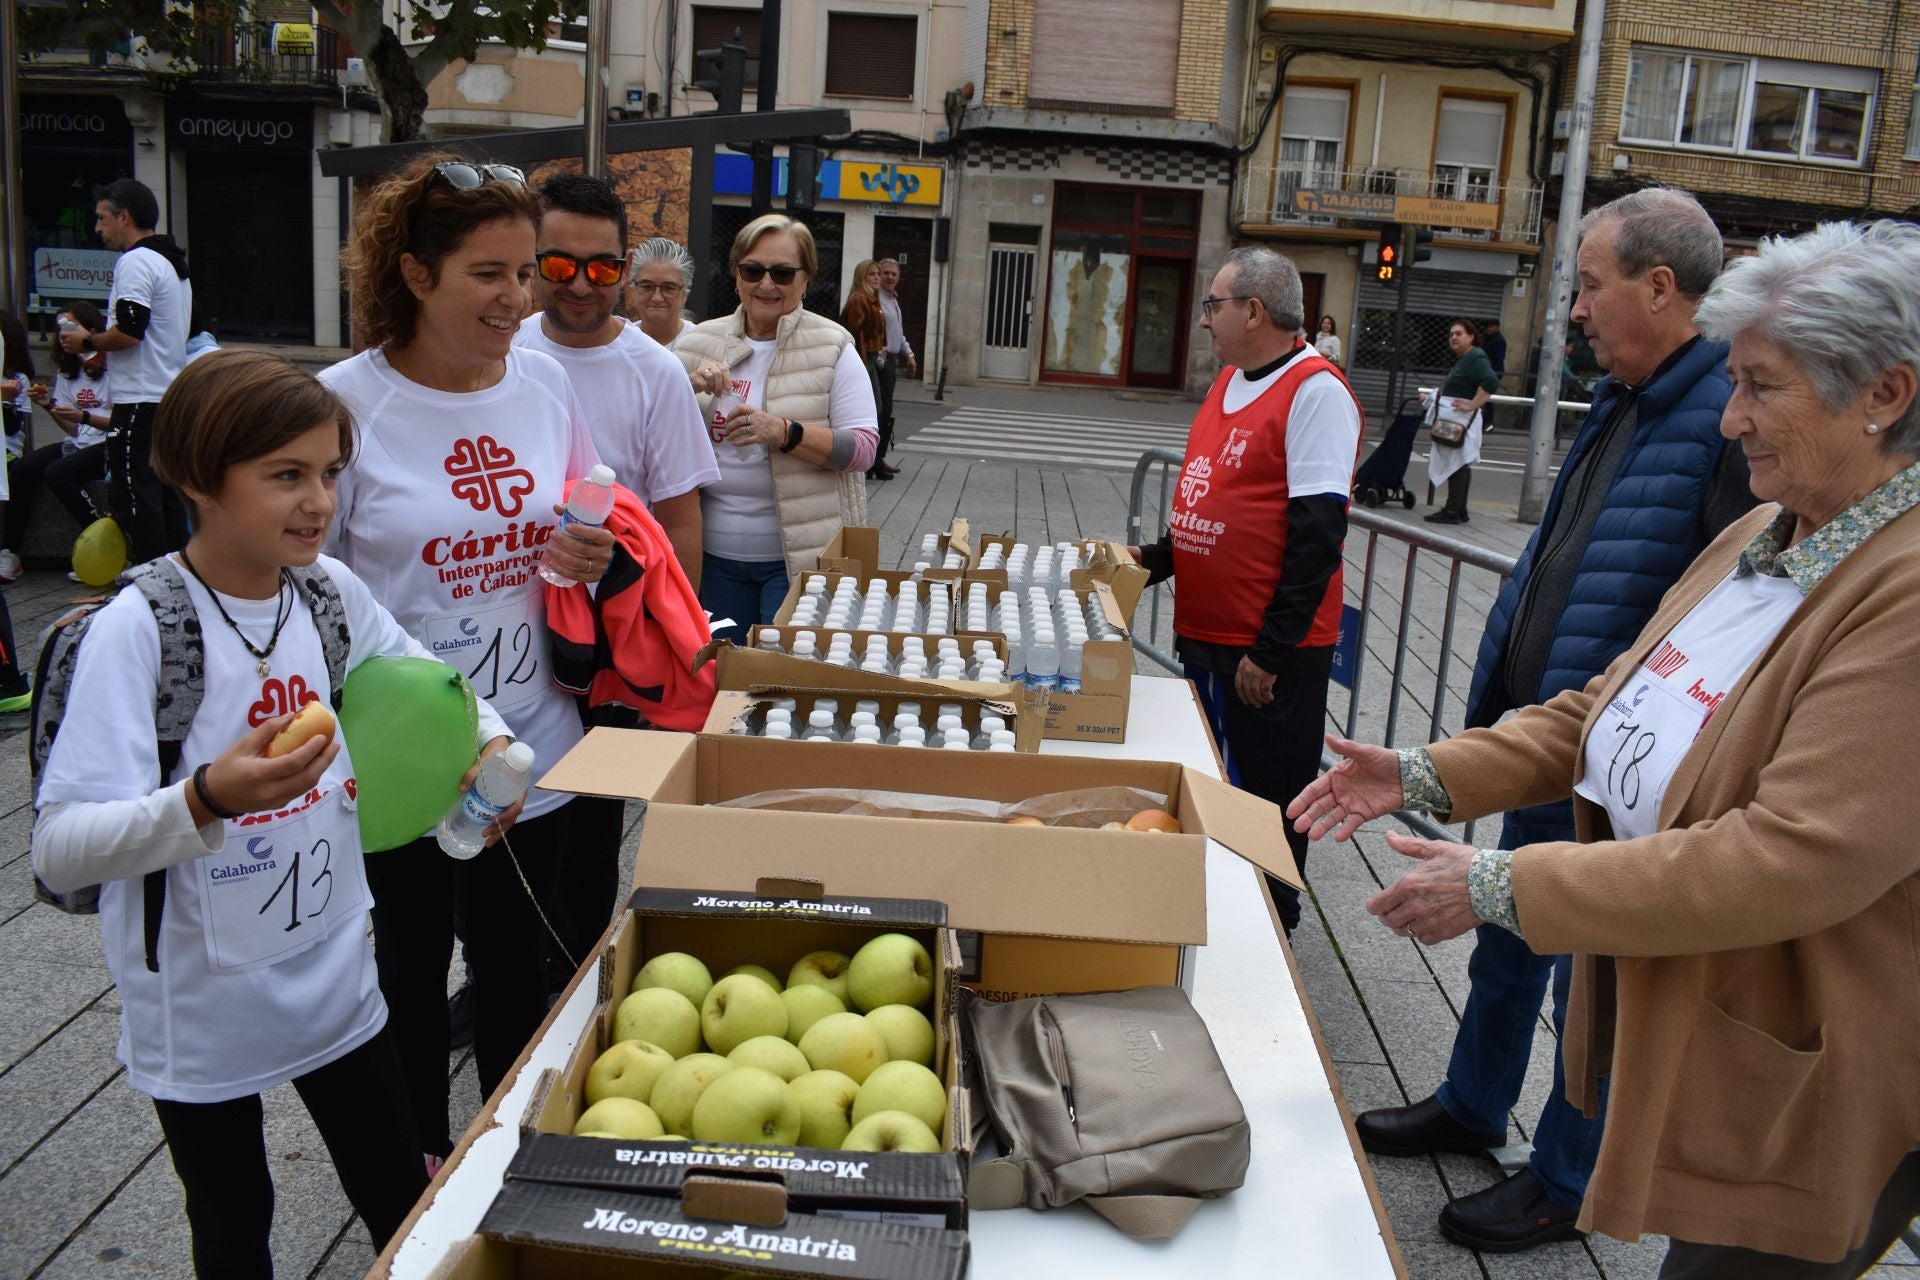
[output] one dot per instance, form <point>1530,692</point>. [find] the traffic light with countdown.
<point>1387,260</point>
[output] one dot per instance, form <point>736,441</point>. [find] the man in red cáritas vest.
<point>1255,533</point>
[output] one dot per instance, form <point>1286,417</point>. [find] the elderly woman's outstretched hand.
<point>1363,786</point>
<point>1431,903</point>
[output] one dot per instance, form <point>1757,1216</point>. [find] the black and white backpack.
<point>183,684</point>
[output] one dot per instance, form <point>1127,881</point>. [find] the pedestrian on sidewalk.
<point>1255,536</point>
<point>792,421</point>
<point>1741,891</point>
<point>863,318</point>
<point>80,402</point>
<point>231,982</point>
<point>149,311</point>
<point>897,353</point>
<point>1468,385</point>
<point>1647,484</point>
<point>662,278</point>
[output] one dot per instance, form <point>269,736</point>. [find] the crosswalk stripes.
<point>1000,435</point>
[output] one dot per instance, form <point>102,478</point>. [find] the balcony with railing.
<point>268,53</point>
<point>1459,202</point>
<point>1509,24</point>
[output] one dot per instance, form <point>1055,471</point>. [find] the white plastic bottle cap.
<point>779,715</point>
<point>956,735</point>
<point>904,719</point>
<point>949,723</point>
<point>869,705</point>
<point>910,708</point>
<point>957,746</point>
<point>820,720</point>
<point>601,475</point>
<point>829,705</point>
<point>992,724</point>
<point>866,733</point>
<point>779,729</point>
<point>1002,737</point>
<point>913,736</point>
<point>518,757</point>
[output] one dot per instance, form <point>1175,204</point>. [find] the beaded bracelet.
<point>206,796</point>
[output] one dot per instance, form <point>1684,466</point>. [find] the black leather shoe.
<point>1420,1129</point>
<point>1508,1217</point>
<point>1444,516</point>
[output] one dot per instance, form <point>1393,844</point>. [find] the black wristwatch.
<point>86,343</point>
<point>795,433</point>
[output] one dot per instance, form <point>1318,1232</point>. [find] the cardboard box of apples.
<point>770,1040</point>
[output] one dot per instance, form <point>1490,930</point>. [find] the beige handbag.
<point>1118,1100</point>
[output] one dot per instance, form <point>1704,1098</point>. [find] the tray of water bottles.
<point>871,717</point>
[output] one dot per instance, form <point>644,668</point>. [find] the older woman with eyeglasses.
<point>793,421</point>
<point>662,279</point>
<point>446,511</point>
<point>1743,901</point>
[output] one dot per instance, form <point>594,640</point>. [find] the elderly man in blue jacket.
<point>1648,483</point>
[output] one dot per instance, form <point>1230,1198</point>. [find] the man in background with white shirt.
<point>148,311</point>
<point>1255,534</point>
<point>641,414</point>
<point>897,352</point>
<point>640,408</point>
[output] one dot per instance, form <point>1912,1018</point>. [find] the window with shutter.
<point>1124,63</point>
<point>714,26</point>
<point>871,55</point>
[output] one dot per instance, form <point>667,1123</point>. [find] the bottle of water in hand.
<point>503,779</point>
<point>590,504</point>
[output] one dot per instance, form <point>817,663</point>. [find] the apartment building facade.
<point>1435,113</point>
<point>1777,115</point>
<point>1091,175</point>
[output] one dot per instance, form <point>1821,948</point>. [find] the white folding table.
<point>1309,1206</point>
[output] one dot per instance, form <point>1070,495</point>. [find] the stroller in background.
<point>1382,477</point>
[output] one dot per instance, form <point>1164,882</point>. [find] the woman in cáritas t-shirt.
<point>450,505</point>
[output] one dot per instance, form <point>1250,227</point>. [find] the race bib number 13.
<point>273,892</point>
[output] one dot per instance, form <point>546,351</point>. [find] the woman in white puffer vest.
<point>794,426</point>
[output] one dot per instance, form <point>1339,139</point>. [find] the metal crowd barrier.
<point>1147,639</point>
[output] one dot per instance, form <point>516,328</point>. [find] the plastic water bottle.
<point>590,504</point>
<point>769,641</point>
<point>1043,662</point>
<point>820,726</point>
<point>502,780</point>
<point>1070,662</point>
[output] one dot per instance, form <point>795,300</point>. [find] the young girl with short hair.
<point>259,972</point>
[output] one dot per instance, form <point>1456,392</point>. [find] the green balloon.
<point>409,724</point>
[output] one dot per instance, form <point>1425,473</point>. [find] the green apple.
<point>627,1070</point>
<point>844,1042</point>
<point>738,1009</point>
<point>903,1086</point>
<point>659,1016</point>
<point>680,1086</point>
<point>826,1107</point>
<point>891,969</point>
<point>908,1034</point>
<point>676,971</point>
<point>821,969</point>
<point>621,1117</point>
<point>770,1053</point>
<point>806,1005</point>
<point>759,971</point>
<point>747,1105</point>
<point>891,1131</point>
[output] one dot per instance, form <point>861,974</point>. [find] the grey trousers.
<point>1898,1206</point>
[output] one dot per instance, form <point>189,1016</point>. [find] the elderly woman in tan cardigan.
<point>1744,900</point>
<point>793,422</point>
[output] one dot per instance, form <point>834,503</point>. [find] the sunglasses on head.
<point>463,176</point>
<point>561,268</point>
<point>754,273</point>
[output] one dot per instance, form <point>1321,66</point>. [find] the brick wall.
<point>1203,50</point>
<point>1009,52</point>
<point>1855,33</point>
